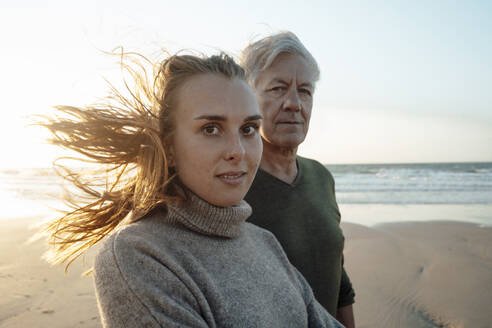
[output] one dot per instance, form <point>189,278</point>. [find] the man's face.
<point>285,95</point>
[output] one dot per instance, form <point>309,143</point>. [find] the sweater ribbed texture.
<point>197,265</point>
<point>200,216</point>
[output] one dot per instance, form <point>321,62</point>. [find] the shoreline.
<point>372,215</point>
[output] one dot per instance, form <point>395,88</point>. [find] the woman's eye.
<point>249,130</point>
<point>210,130</point>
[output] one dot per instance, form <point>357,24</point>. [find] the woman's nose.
<point>235,149</point>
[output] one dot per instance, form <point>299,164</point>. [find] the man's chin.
<point>285,142</point>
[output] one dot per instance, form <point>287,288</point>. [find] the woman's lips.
<point>232,178</point>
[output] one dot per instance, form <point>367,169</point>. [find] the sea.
<point>442,183</point>
<point>367,194</point>
<point>372,194</point>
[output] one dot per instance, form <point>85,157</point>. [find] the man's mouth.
<point>289,122</point>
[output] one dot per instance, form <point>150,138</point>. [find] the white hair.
<point>259,55</point>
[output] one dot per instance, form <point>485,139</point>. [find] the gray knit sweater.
<point>201,266</point>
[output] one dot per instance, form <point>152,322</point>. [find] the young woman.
<point>184,148</point>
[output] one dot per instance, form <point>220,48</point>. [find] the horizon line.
<point>360,163</point>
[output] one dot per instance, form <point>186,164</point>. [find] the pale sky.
<point>401,81</point>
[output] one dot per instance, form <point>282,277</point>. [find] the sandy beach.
<point>412,274</point>
<point>35,294</point>
<point>420,274</point>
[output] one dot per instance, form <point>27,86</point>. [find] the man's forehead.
<point>304,81</point>
<point>287,67</point>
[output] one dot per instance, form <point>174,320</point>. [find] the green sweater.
<point>201,266</point>
<point>304,217</point>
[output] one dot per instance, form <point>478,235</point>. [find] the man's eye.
<point>306,92</point>
<point>277,89</point>
<point>210,130</point>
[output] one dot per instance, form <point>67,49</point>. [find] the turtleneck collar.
<point>198,215</point>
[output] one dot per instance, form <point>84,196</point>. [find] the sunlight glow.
<point>390,89</point>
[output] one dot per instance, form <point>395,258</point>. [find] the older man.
<point>292,196</point>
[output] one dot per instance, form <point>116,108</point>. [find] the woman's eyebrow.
<point>223,118</point>
<point>211,117</point>
<point>253,118</point>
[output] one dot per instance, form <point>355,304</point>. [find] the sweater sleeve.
<point>135,290</point>
<point>318,317</point>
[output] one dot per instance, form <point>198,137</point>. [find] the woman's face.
<point>216,147</point>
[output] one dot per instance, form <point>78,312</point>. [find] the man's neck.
<point>279,162</point>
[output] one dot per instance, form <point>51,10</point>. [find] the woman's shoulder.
<point>136,272</point>
<point>127,246</point>
<point>145,229</point>
<point>266,240</point>
<point>273,247</point>
<point>256,232</point>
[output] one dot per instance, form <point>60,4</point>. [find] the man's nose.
<point>292,101</point>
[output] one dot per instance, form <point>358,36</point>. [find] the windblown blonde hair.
<point>128,138</point>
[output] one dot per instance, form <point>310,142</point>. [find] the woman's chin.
<point>225,203</point>
<point>223,200</point>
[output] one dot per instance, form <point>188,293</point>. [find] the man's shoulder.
<point>309,163</point>
<point>312,167</point>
